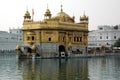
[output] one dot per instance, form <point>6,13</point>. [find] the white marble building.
<point>104,35</point>
<point>16,33</point>
<point>9,40</point>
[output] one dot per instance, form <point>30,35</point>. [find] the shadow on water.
<point>53,69</point>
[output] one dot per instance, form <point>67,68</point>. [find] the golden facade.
<point>59,33</point>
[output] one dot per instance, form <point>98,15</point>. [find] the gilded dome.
<point>64,17</point>
<point>62,14</point>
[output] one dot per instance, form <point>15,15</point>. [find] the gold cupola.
<point>47,14</point>
<point>27,15</point>
<point>84,17</point>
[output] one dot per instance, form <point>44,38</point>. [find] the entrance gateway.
<point>62,51</point>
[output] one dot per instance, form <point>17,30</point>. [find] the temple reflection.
<point>53,69</point>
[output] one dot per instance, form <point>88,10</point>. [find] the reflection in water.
<point>54,69</point>
<point>74,69</point>
<point>12,68</point>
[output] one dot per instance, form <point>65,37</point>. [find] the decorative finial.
<point>32,14</point>
<point>84,13</point>
<point>26,8</point>
<point>47,5</point>
<point>61,8</point>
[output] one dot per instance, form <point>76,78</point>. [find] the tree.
<point>117,43</point>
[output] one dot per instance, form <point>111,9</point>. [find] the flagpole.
<point>32,14</point>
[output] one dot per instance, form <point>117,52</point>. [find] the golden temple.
<point>56,34</point>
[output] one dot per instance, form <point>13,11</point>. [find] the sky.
<point>100,12</point>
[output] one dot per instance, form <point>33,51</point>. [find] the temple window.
<point>74,39</point>
<point>49,39</point>
<point>80,39</point>
<point>33,38</point>
<point>106,37</point>
<point>77,39</point>
<point>114,37</point>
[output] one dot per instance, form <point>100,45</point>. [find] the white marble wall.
<point>104,35</point>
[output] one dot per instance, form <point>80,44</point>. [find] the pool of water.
<point>12,68</point>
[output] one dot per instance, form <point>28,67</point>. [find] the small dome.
<point>33,47</point>
<point>27,13</point>
<point>84,17</point>
<point>18,47</point>
<point>47,11</point>
<point>47,14</point>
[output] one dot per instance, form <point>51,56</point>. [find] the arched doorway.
<point>61,48</point>
<point>62,51</point>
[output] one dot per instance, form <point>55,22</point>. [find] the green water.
<point>59,69</point>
